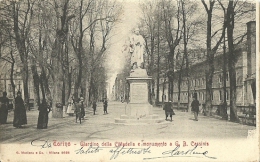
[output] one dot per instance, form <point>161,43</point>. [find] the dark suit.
<point>168,109</point>
<point>195,108</point>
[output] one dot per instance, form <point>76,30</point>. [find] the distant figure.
<point>105,106</point>
<point>19,112</point>
<point>43,118</point>
<point>122,98</point>
<point>195,107</point>
<point>82,109</point>
<point>4,104</point>
<point>168,108</point>
<point>78,110</point>
<point>94,107</point>
<point>71,107</point>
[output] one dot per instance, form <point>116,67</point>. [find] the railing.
<point>247,114</point>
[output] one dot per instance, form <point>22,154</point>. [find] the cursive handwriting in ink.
<point>90,150</point>
<point>41,143</point>
<point>186,153</point>
<point>121,150</point>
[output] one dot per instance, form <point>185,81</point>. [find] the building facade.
<point>245,76</point>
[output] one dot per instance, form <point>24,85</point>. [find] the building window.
<point>227,77</point>
<point>9,88</point>
<point>212,96</point>
<point>227,96</point>
<point>198,82</point>
<point>220,78</point>
<point>202,96</point>
<point>220,96</point>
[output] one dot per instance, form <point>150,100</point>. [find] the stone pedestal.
<point>138,110</point>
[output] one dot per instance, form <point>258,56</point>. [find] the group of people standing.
<point>20,117</point>
<point>105,104</point>
<point>76,106</point>
<point>168,108</point>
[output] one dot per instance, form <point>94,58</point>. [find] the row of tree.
<point>173,28</point>
<point>60,44</point>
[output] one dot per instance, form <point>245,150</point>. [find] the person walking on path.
<point>82,108</point>
<point>43,118</point>
<point>19,112</point>
<point>195,107</point>
<point>105,106</point>
<point>4,104</point>
<point>78,110</point>
<point>94,107</point>
<point>168,108</point>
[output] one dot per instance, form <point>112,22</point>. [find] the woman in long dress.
<point>4,104</point>
<point>43,118</point>
<point>19,112</point>
<point>71,107</point>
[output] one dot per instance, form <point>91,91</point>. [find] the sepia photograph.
<point>129,80</point>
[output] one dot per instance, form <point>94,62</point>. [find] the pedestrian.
<point>4,104</point>
<point>19,112</point>
<point>105,106</point>
<point>94,107</point>
<point>71,107</point>
<point>78,110</point>
<point>82,108</point>
<point>195,107</point>
<point>168,108</point>
<point>43,118</point>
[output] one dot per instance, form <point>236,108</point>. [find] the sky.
<point>129,20</point>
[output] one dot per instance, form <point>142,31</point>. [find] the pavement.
<point>103,127</point>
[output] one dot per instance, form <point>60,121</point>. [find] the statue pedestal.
<point>138,110</point>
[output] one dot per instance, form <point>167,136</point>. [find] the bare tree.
<point>22,13</point>
<point>210,54</point>
<point>172,36</point>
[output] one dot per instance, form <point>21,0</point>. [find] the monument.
<point>138,110</point>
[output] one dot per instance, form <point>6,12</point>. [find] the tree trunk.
<point>231,61</point>
<point>209,76</point>
<point>36,81</point>
<point>25,84</point>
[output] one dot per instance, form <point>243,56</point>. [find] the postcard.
<point>129,80</point>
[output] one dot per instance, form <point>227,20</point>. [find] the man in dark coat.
<point>4,102</point>
<point>19,112</point>
<point>82,109</point>
<point>94,107</point>
<point>78,110</point>
<point>44,110</point>
<point>195,107</point>
<point>105,106</point>
<point>168,109</point>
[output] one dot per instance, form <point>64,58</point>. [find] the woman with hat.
<point>19,112</point>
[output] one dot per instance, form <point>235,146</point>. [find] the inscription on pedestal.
<point>139,93</point>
